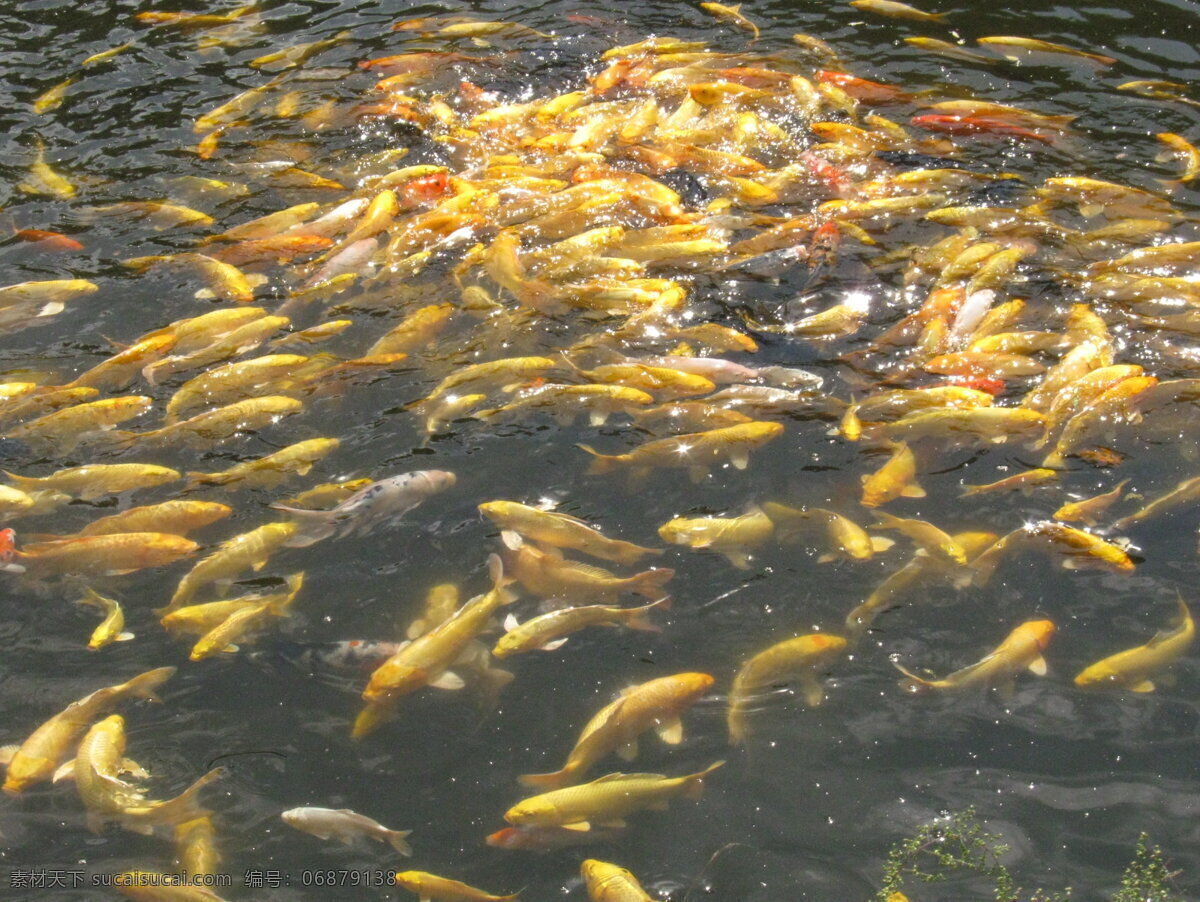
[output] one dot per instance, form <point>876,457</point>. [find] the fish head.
<point>410,880</point>
<point>1097,674</point>
<point>438,480</point>
<point>693,685</point>
<point>1041,631</point>
<point>531,811</point>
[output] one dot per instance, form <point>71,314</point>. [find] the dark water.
<point>810,810</point>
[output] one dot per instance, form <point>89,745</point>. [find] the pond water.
<point>809,807</point>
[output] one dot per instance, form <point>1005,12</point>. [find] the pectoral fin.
<point>512,540</point>
<point>554,644</point>
<point>1143,686</point>
<point>124,637</point>
<point>881,543</point>
<point>739,559</point>
<point>740,458</point>
<point>628,751</point>
<point>511,622</point>
<point>670,731</point>
<point>65,772</point>
<point>448,680</point>
<point>912,490</point>
<point>581,826</point>
<point>1038,666</point>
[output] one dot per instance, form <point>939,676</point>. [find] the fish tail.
<point>912,682</point>
<point>195,480</point>
<point>650,583</point>
<point>601,463</point>
<point>695,783</point>
<point>396,839</point>
<point>736,721</point>
<point>639,618</point>
<point>315,526</point>
<point>185,806</point>
<point>556,780</point>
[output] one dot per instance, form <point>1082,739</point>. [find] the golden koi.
<point>609,883</point>
<point>895,479</point>
<point>1134,668</point>
<point>443,889</point>
<point>800,659</point>
<point>102,555</point>
<point>562,531</point>
<point>656,705</point>
<point>695,452</point>
<point>112,627</point>
<point>269,471</point>
<point>550,631</point>
<point>733,537</point>
<point>1022,650</point>
<point>607,801</point>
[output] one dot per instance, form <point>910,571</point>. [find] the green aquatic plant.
<point>1147,878</point>
<point>951,844</point>
<point>957,844</point>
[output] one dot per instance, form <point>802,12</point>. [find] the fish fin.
<point>581,826</point>
<point>553,645</point>
<point>827,558</point>
<point>881,543</point>
<point>65,772</point>
<point>814,693</point>
<point>511,622</point>
<point>597,417</point>
<point>670,731</point>
<point>124,637</point>
<point>1087,211</point>
<point>615,778</point>
<point>912,490</point>
<point>259,564</point>
<point>639,618</point>
<point>448,680</point>
<point>7,752</point>
<point>628,751</point>
<point>396,838</point>
<point>740,458</point>
<point>128,766</point>
<point>650,583</point>
<point>601,463</point>
<point>204,294</point>
<point>1143,686</point>
<point>1038,666</point>
<point>512,540</point>
<point>555,780</point>
<point>739,559</point>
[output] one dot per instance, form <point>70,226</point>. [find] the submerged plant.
<point>958,844</point>
<point>1147,877</point>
